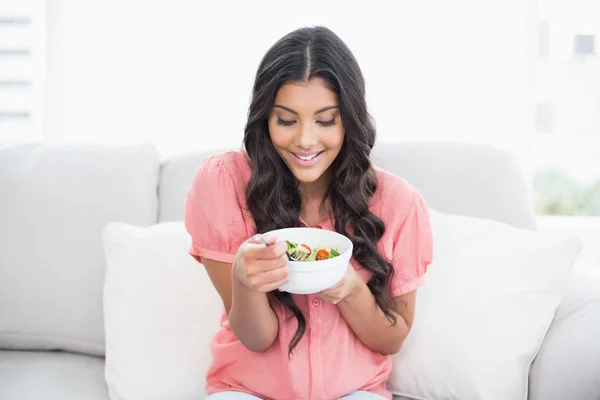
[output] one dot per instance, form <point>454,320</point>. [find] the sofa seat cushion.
<point>568,363</point>
<point>28,375</point>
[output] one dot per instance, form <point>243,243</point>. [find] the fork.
<point>299,254</point>
<point>295,256</point>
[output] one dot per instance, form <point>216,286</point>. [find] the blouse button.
<point>316,302</point>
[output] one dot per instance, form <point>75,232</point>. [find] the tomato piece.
<point>322,255</point>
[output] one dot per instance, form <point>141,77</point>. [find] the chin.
<point>307,177</point>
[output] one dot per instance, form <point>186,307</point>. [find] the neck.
<point>314,192</point>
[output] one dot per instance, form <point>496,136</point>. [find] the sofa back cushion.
<point>54,203</point>
<point>463,179</point>
<point>455,178</point>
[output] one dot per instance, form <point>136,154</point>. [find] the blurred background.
<point>521,75</point>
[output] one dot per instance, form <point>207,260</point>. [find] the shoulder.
<point>408,239</point>
<point>232,167</point>
<point>215,207</point>
<point>220,180</point>
<point>394,196</point>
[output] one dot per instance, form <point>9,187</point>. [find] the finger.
<point>274,275</point>
<point>251,247</point>
<point>323,295</point>
<point>332,300</point>
<point>268,277</point>
<point>267,252</point>
<point>273,285</point>
<point>270,239</point>
<point>262,239</point>
<point>326,299</point>
<point>330,294</point>
<point>335,287</point>
<point>332,291</point>
<point>275,263</point>
<point>256,267</point>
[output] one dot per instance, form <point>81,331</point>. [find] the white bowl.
<point>307,277</point>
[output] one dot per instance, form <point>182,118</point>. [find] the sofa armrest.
<point>568,363</point>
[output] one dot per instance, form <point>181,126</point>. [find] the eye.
<point>283,122</point>
<point>327,123</point>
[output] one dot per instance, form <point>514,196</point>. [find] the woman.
<point>306,162</point>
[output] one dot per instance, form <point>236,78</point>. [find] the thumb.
<point>270,239</point>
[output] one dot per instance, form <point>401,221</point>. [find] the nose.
<point>306,138</point>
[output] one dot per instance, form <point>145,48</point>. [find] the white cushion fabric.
<point>161,312</point>
<point>457,178</point>
<point>488,300</point>
<point>54,203</point>
<point>568,363</point>
<point>463,179</point>
<point>36,375</point>
<point>176,176</point>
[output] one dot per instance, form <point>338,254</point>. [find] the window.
<point>543,38</point>
<point>22,39</point>
<point>543,117</point>
<point>566,143</point>
<point>584,45</point>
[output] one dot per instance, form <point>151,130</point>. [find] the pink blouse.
<point>329,362</point>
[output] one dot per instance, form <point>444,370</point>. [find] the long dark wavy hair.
<point>272,193</point>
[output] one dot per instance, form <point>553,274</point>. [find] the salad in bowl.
<point>317,258</point>
<point>303,252</point>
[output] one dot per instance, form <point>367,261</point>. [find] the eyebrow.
<point>295,112</point>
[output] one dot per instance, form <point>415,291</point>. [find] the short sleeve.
<point>213,215</point>
<point>412,249</point>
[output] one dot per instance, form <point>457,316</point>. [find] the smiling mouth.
<point>308,158</point>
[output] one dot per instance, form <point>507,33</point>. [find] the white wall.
<point>179,74</point>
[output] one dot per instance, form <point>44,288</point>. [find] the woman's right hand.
<point>260,267</point>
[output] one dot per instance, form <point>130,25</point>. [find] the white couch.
<point>55,201</point>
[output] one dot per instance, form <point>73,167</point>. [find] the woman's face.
<point>306,128</point>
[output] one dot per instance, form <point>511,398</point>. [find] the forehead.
<point>306,97</point>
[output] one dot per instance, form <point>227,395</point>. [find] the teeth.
<point>307,158</point>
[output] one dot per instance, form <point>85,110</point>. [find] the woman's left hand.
<point>346,286</point>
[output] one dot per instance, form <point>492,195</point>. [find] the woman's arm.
<point>251,318</point>
<point>364,316</point>
<point>369,323</point>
